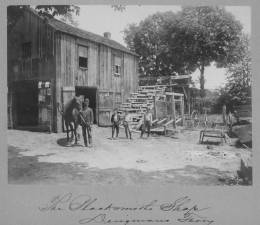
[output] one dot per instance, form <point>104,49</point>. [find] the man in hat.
<point>147,122</point>
<point>87,120</point>
<point>115,120</point>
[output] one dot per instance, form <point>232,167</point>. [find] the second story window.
<point>27,50</point>
<point>117,65</point>
<point>83,62</point>
<point>117,69</point>
<point>83,57</point>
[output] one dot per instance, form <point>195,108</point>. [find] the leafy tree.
<point>204,34</point>
<point>146,39</point>
<point>192,39</point>
<point>65,12</point>
<point>239,76</point>
<point>239,80</point>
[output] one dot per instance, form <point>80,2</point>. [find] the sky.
<point>102,18</point>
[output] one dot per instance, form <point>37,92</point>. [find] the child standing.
<point>115,120</point>
<point>87,117</point>
<point>126,125</point>
<point>147,123</point>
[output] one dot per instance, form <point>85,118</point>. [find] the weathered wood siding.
<point>37,65</point>
<point>100,73</point>
<point>130,81</point>
<point>68,71</point>
<point>41,64</point>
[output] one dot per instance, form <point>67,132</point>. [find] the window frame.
<point>116,66</point>
<point>27,50</point>
<point>83,67</point>
<point>85,57</point>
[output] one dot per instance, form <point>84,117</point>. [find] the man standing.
<point>126,125</point>
<point>87,121</point>
<point>115,120</point>
<point>147,122</point>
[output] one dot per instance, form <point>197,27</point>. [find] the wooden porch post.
<point>154,103</point>
<point>173,111</point>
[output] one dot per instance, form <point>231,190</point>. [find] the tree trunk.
<point>202,81</point>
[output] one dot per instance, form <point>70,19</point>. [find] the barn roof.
<point>68,29</point>
<point>74,31</point>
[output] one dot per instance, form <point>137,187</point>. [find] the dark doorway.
<point>26,98</point>
<point>91,94</point>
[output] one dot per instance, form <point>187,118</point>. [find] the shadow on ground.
<point>28,170</point>
<point>64,143</point>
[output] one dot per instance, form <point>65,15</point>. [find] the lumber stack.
<point>138,102</point>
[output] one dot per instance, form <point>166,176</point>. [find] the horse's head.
<point>78,102</point>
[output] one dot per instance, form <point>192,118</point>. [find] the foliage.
<point>119,8</point>
<point>207,102</point>
<point>186,41</point>
<point>146,40</point>
<point>65,12</point>
<point>203,35</point>
<point>239,79</point>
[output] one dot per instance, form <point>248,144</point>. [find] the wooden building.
<point>49,62</point>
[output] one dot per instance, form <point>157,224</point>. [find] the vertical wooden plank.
<point>173,111</point>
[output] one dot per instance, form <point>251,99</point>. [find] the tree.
<point>146,39</point>
<point>202,35</point>
<point>65,12</point>
<point>239,80</point>
<point>239,76</point>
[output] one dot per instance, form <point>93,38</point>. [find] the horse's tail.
<point>60,109</point>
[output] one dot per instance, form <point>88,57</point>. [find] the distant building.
<point>50,61</point>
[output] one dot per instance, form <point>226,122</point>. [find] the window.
<point>83,62</point>
<point>27,50</point>
<point>117,70</point>
<point>83,57</point>
<point>117,65</point>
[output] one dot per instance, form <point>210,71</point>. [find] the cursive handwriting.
<point>85,202</point>
<point>102,218</point>
<point>181,207</point>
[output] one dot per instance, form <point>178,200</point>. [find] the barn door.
<point>105,107</point>
<point>67,94</point>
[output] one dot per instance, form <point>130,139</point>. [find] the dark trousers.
<point>146,126</point>
<point>86,130</point>
<point>127,130</point>
<point>115,126</point>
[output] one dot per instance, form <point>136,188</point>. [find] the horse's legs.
<point>75,132</point>
<point>67,130</point>
<point>71,129</point>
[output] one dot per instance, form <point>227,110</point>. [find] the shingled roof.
<point>68,29</point>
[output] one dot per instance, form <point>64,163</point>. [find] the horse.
<point>71,116</point>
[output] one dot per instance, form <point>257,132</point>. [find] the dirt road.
<point>42,158</point>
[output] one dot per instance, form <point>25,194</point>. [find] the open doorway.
<point>26,98</point>
<point>91,94</point>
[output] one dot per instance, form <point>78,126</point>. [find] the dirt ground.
<point>42,158</point>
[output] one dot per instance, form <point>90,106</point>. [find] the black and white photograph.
<point>129,95</point>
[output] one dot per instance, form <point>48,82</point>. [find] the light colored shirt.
<point>87,114</point>
<point>148,117</point>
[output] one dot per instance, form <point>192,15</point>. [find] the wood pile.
<point>142,99</point>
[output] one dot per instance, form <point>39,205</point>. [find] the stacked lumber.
<point>138,102</point>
